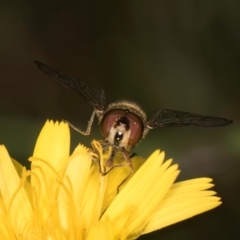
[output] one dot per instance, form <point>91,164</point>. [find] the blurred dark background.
<point>183,55</point>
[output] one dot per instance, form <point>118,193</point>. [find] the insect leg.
<point>128,158</point>
<point>132,155</point>
<point>109,162</point>
<point>124,181</point>
<point>88,130</point>
<point>129,163</point>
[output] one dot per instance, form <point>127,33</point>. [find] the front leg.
<point>127,158</point>
<point>99,159</point>
<point>110,161</point>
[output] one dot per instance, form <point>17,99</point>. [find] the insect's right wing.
<point>94,96</point>
<point>174,118</point>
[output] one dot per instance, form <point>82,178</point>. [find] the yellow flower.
<point>66,197</point>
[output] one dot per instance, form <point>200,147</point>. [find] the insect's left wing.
<point>93,95</point>
<point>174,118</point>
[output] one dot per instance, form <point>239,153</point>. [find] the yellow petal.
<point>15,199</point>
<point>77,173</point>
<point>53,144</point>
<point>27,185</point>
<point>148,185</point>
<point>73,184</point>
<point>93,197</point>
<point>116,177</point>
<point>184,200</point>
<point>49,161</point>
<point>6,230</point>
<point>102,230</point>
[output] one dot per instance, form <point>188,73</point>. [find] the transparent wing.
<point>174,118</point>
<point>94,96</point>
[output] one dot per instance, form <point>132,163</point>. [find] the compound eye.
<point>137,127</point>
<point>109,120</point>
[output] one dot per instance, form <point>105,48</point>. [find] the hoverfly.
<point>123,123</point>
